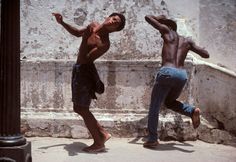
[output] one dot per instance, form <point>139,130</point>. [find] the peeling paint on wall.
<point>43,38</point>
<point>217,31</point>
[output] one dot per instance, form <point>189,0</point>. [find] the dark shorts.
<point>81,86</point>
<point>85,82</point>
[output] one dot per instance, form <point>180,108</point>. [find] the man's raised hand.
<point>58,17</point>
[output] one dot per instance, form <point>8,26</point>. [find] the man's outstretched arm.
<point>199,50</point>
<point>152,20</point>
<point>72,30</point>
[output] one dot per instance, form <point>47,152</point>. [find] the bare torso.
<point>183,49</point>
<point>174,50</point>
<point>92,41</point>
<point>175,47</point>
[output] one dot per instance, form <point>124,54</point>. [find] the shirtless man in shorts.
<point>172,76</point>
<point>85,79</point>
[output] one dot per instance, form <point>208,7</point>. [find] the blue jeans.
<point>168,86</point>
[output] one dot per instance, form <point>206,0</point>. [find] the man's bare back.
<point>175,47</point>
<point>171,78</point>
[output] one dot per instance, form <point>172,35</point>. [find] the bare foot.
<point>106,136</point>
<point>94,148</point>
<point>149,144</point>
<point>196,118</point>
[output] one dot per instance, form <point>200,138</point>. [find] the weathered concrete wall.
<point>217,32</point>
<point>47,107</point>
<point>47,51</point>
<point>46,85</point>
<point>43,38</point>
<point>122,109</point>
<point>209,22</point>
<point>214,92</point>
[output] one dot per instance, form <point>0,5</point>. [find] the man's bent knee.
<point>168,104</point>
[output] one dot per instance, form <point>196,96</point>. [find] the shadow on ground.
<point>73,149</point>
<point>165,146</point>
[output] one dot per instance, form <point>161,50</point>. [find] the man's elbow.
<point>206,55</point>
<point>147,18</point>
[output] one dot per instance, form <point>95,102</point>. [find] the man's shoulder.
<point>189,39</point>
<point>94,24</point>
<point>186,39</point>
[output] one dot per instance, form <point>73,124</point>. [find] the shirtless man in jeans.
<point>172,76</point>
<point>85,79</point>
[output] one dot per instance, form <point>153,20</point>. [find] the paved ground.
<point>129,150</point>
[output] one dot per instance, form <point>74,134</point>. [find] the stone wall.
<point>46,98</point>
<point>211,23</point>
<point>43,38</point>
<point>48,53</point>
<point>214,92</point>
<point>217,23</point>
<point>122,109</point>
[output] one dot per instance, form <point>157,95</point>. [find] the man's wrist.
<point>63,23</point>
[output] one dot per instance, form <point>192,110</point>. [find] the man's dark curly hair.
<point>171,23</point>
<point>122,18</point>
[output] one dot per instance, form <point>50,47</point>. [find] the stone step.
<point>172,126</point>
<point>118,124</point>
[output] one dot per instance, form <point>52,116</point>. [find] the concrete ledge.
<point>122,109</point>
<point>172,126</point>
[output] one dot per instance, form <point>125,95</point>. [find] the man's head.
<point>170,23</point>
<point>115,22</point>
